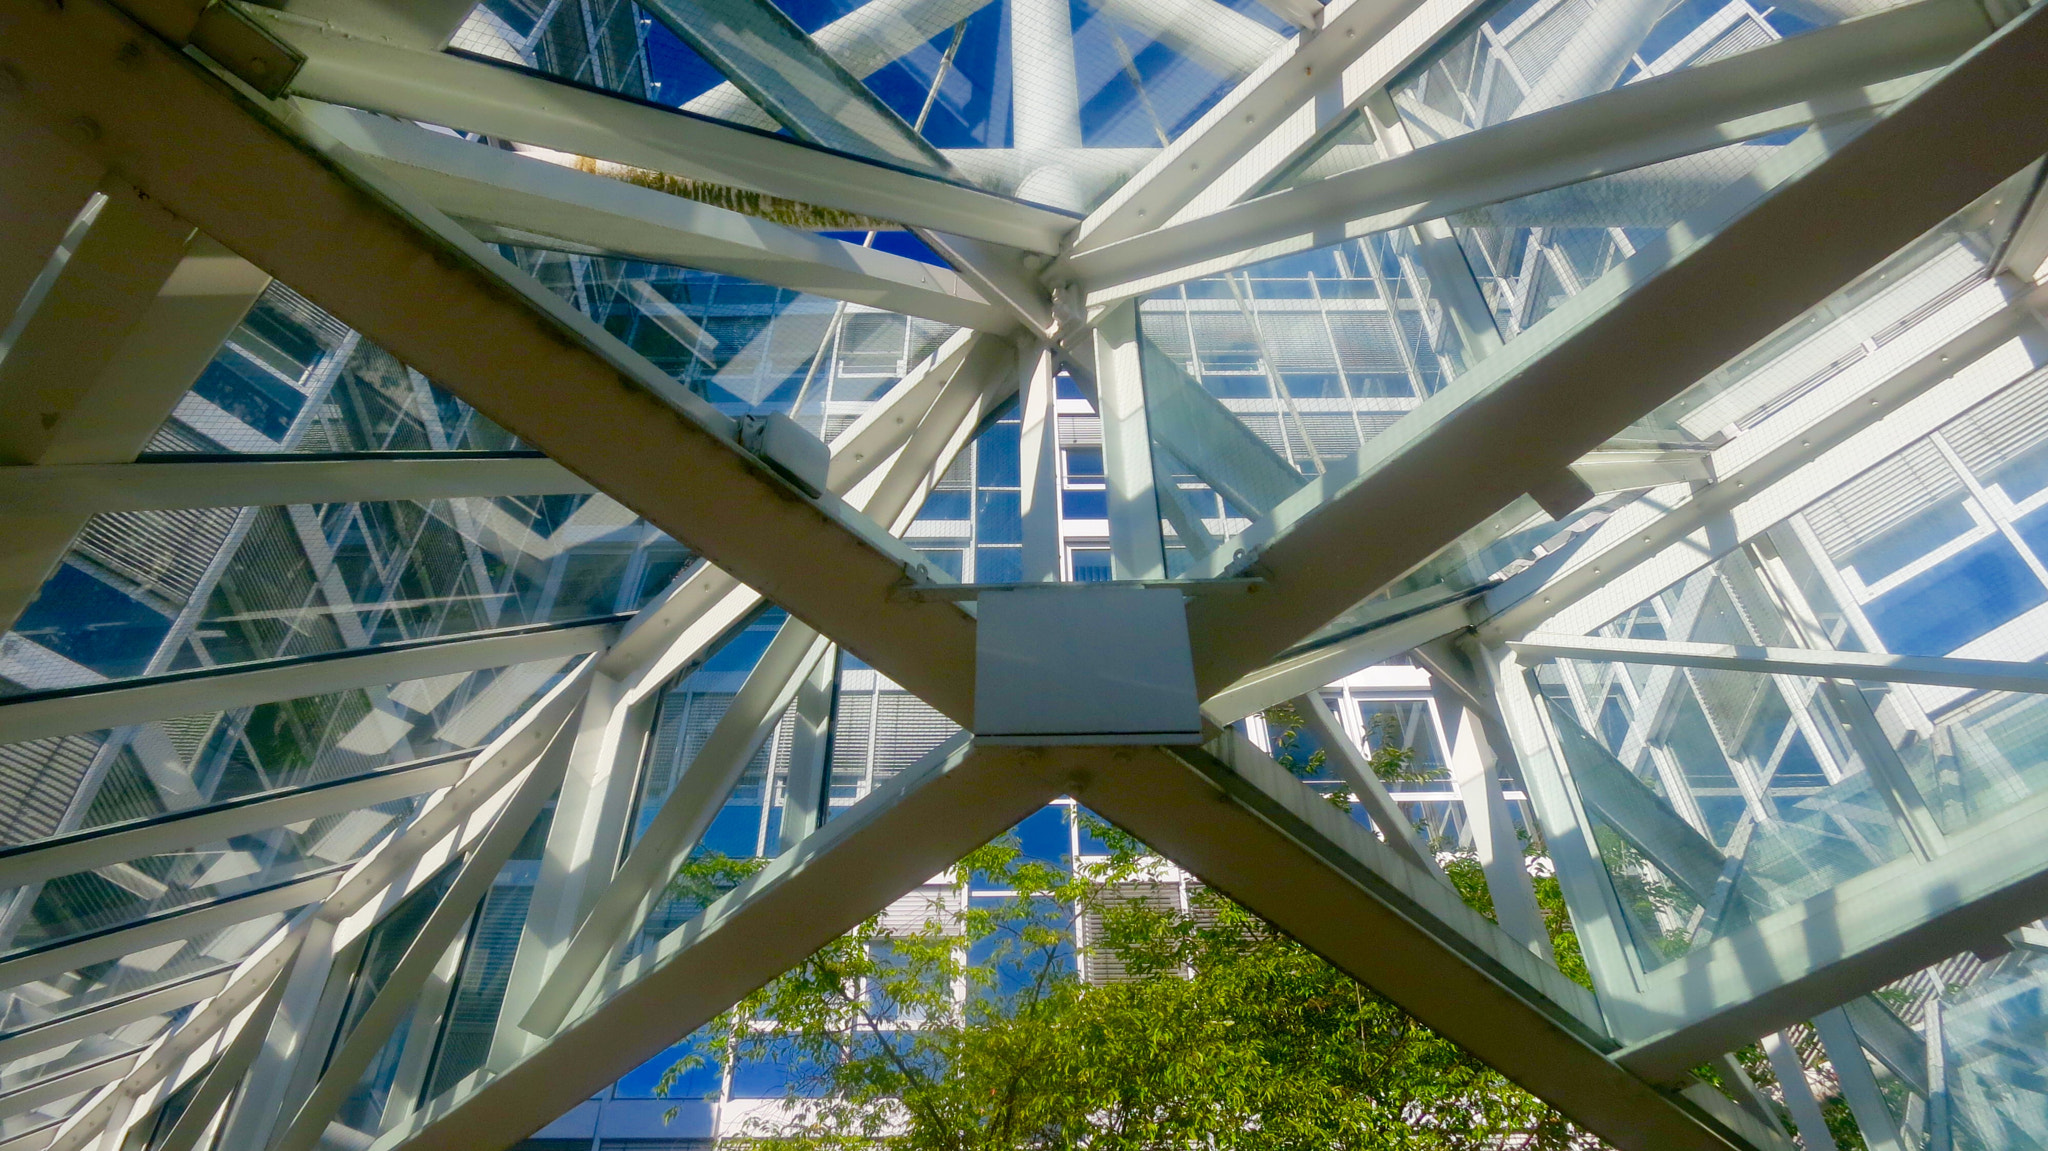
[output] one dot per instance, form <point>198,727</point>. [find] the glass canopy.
<point>463,462</point>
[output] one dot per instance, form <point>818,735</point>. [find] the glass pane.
<point>95,779</point>
<point>1717,797</point>
<point>294,379</point>
<point>1527,55</point>
<point>153,592</point>
<point>166,963</point>
<point>123,893</point>
<point>748,347</point>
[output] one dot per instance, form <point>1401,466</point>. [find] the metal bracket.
<point>246,49</point>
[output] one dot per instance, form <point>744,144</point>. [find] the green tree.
<point>1200,1026</point>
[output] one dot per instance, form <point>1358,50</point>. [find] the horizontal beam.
<point>518,199</point>
<point>1285,854</point>
<point>1837,946</point>
<point>54,959</point>
<point>105,1017</point>
<point>1876,667</point>
<point>121,843</point>
<point>1627,343</point>
<point>123,702</point>
<point>907,830</point>
<point>513,103</point>
<point>274,187</point>
<point>1826,73</point>
<point>93,489</point>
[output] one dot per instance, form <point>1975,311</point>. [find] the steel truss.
<point>214,146</point>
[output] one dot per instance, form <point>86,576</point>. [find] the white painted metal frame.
<point>356,211</point>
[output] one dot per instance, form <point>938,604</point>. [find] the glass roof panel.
<point>148,593</point>
<point>96,779</point>
<point>152,967</point>
<point>749,348</point>
<point>294,379</point>
<point>1122,77</point>
<point>124,893</point>
<point>1850,331</point>
<point>128,1038</point>
<point>1523,56</point>
<point>1746,776</point>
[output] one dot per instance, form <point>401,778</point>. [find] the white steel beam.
<point>1276,847</point>
<point>1623,469</point>
<point>776,64</point>
<point>643,878</point>
<point>1344,757</point>
<point>585,836</point>
<point>1303,14</point>
<point>47,185</point>
<point>103,846</point>
<point>1877,667</point>
<point>1827,73</point>
<point>520,199</point>
<point>331,226</point>
<point>1624,345</point>
<point>1475,773</point>
<point>910,828</point>
<point>1859,1087</point>
<point>444,828</point>
<point>1039,463</point>
<point>703,603</point>
<point>124,702</point>
<point>227,1071</point>
<point>915,429</point>
<point>809,776</point>
<point>453,819</point>
<point>249,987</point>
<point>514,104</point>
<point>1137,551</point>
<point>528,792</point>
<point>1393,627</point>
<point>1798,1093</point>
<point>1385,34</point>
<point>100,294</point>
<point>929,419</point>
<point>1991,336</point>
<point>427,25</point>
<point>178,333</point>
<point>92,489</point>
<point>863,41</point>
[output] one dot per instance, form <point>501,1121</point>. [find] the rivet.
<point>83,130</point>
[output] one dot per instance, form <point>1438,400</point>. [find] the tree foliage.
<point>1200,1026</point>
